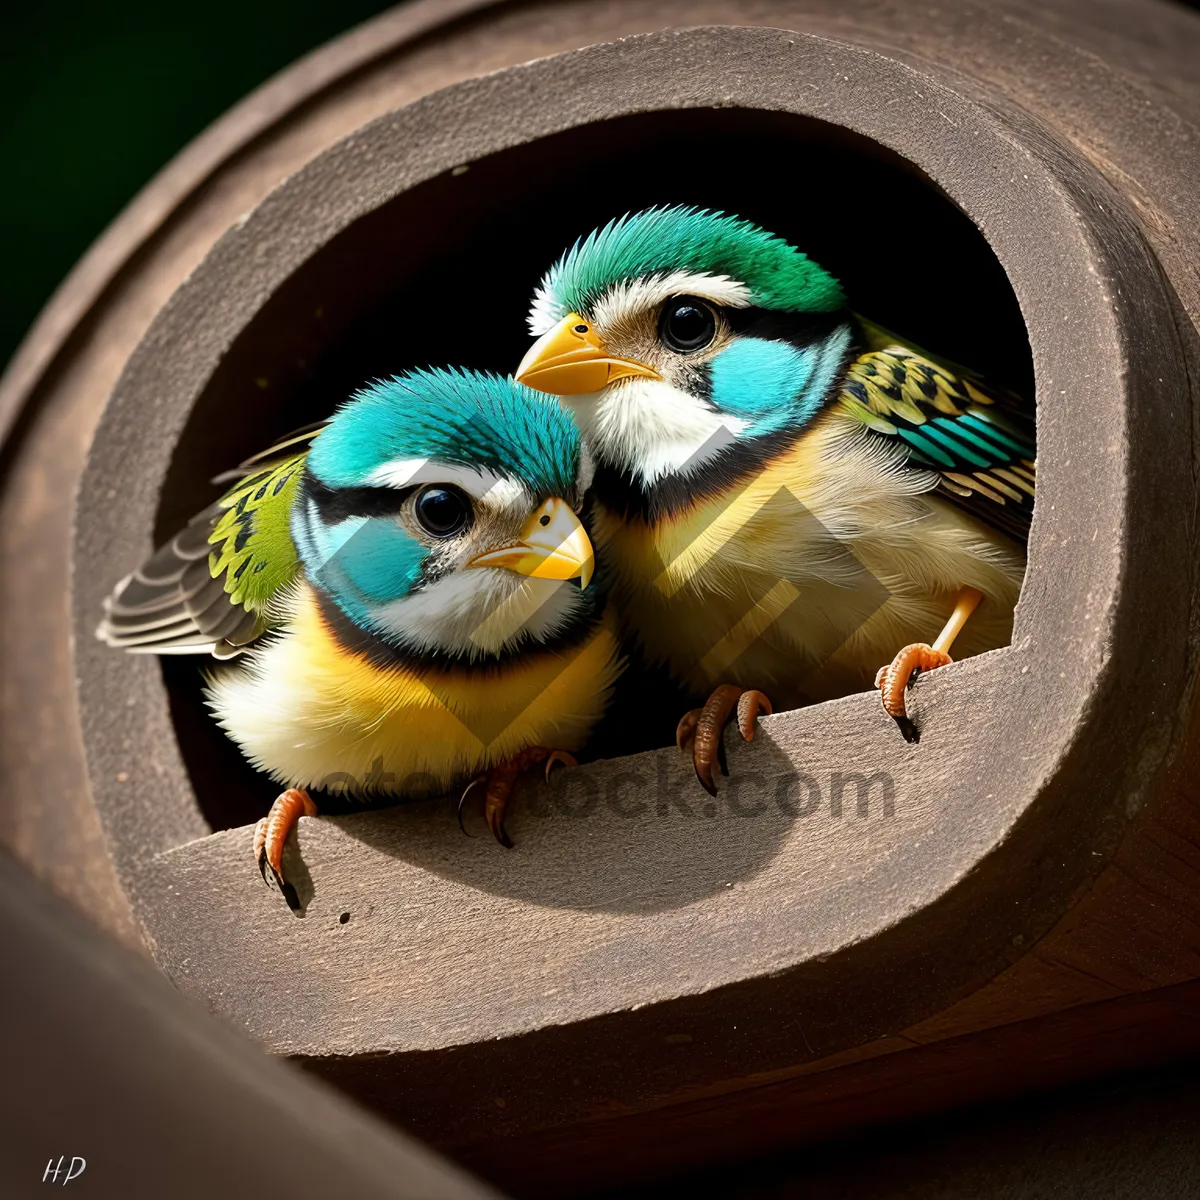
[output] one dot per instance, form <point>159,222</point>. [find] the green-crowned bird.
<point>786,493</point>
<point>406,591</point>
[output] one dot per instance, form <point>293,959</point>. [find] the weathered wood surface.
<point>972,907</point>
<point>105,1060</point>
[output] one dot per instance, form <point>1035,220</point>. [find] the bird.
<point>398,598</point>
<point>787,494</point>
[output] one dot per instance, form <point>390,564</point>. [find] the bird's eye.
<point>687,325</point>
<point>442,511</point>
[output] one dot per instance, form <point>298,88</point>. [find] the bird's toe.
<point>899,675</point>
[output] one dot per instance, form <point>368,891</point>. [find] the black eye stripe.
<point>338,504</point>
<point>800,329</point>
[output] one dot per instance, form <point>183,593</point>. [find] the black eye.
<point>442,511</point>
<point>687,325</point>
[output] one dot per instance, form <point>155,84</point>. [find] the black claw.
<point>289,894</point>
<point>911,680</point>
<point>721,756</point>
<point>911,733</point>
<point>286,890</point>
<point>502,836</point>
<point>462,800</point>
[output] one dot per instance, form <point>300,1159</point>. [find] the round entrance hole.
<point>443,275</point>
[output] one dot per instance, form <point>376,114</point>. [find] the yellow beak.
<point>571,360</point>
<point>553,545</point>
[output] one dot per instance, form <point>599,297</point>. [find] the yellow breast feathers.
<point>314,714</point>
<point>829,549</point>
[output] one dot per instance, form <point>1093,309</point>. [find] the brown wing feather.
<point>178,601</point>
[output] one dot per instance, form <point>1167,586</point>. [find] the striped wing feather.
<point>208,590</point>
<point>977,438</point>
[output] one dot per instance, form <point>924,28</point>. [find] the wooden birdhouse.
<point>856,929</point>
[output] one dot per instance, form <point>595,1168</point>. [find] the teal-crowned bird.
<point>405,589</point>
<point>787,494</point>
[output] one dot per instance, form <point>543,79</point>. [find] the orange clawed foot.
<point>899,675</point>
<point>500,782</point>
<point>702,728</point>
<point>271,834</point>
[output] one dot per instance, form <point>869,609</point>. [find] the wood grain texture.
<point>1087,1042</point>
<point>1040,858</point>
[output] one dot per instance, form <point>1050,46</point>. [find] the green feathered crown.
<point>660,240</point>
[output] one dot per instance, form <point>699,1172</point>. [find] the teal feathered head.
<point>675,332</point>
<point>481,423</point>
<point>438,512</point>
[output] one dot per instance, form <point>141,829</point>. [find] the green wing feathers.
<point>978,439</point>
<point>208,590</point>
<point>253,549</point>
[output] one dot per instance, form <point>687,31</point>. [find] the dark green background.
<point>96,96</point>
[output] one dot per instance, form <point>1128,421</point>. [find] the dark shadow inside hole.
<point>443,274</point>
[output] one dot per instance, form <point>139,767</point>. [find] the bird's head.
<point>674,331</point>
<point>439,512</point>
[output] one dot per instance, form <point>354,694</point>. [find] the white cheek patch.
<point>480,611</point>
<point>652,428</point>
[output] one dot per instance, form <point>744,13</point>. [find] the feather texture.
<point>823,489</point>
<point>477,421</point>
<point>445,669</point>
<point>209,589</point>
<point>313,713</point>
<point>978,439</point>
<point>663,241</point>
<point>810,572</point>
